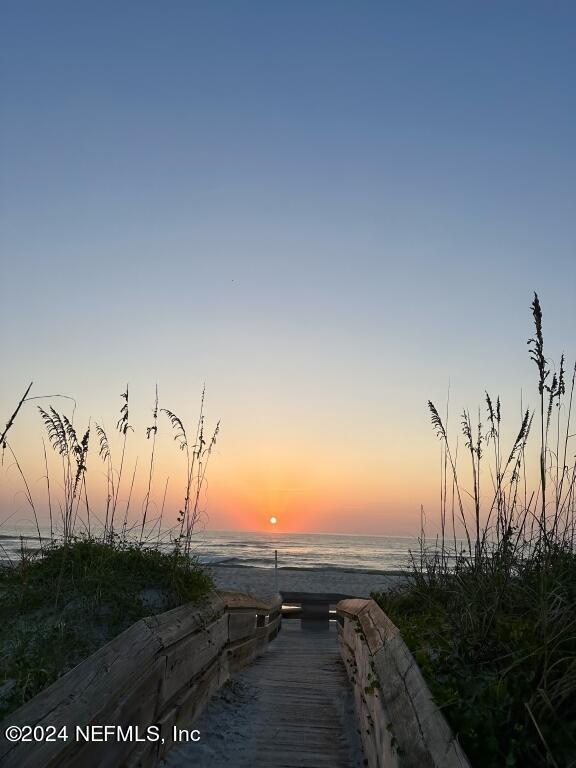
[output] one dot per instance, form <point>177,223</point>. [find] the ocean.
<point>295,550</point>
<point>304,550</point>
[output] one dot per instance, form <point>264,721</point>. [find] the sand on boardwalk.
<point>293,702</point>
<point>260,581</point>
<point>240,719</point>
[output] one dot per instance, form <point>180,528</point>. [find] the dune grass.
<point>59,606</point>
<point>97,572</point>
<point>489,610</point>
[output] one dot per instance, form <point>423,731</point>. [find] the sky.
<point>325,212</point>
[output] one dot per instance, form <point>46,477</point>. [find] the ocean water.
<point>305,550</point>
<point>295,550</point>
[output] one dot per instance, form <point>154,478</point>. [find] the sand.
<point>260,581</point>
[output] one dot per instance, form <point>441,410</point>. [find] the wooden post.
<point>276,571</point>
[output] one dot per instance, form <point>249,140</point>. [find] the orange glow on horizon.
<point>305,490</point>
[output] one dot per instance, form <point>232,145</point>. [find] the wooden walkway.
<point>291,708</point>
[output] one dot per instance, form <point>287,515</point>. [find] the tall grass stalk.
<point>125,523</point>
<point>69,492</point>
<point>48,490</point>
<point>152,430</point>
<point>106,455</point>
<point>28,493</point>
<point>12,418</point>
<point>123,426</point>
<point>197,457</point>
<point>72,451</point>
<point>493,624</point>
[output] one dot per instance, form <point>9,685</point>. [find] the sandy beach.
<point>260,581</point>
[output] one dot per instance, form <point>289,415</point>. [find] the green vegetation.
<point>97,572</point>
<point>59,607</point>
<point>492,621</point>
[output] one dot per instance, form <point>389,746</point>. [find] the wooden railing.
<point>159,673</point>
<point>401,726</point>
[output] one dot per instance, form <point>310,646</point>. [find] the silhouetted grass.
<point>492,621</point>
<point>92,578</point>
<point>12,418</point>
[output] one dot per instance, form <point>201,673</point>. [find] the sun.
<point>273,520</point>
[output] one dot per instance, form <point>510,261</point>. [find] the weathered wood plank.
<point>241,625</point>
<point>135,679</point>
<point>189,657</point>
<point>242,601</point>
<point>115,667</point>
<point>170,627</point>
<point>400,723</point>
<point>290,709</point>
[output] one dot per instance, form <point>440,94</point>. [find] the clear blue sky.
<point>324,210</point>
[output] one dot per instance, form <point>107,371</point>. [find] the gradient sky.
<point>326,211</point>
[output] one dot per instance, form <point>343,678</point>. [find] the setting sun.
<point>273,520</point>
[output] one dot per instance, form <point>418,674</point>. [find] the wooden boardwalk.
<point>291,708</point>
